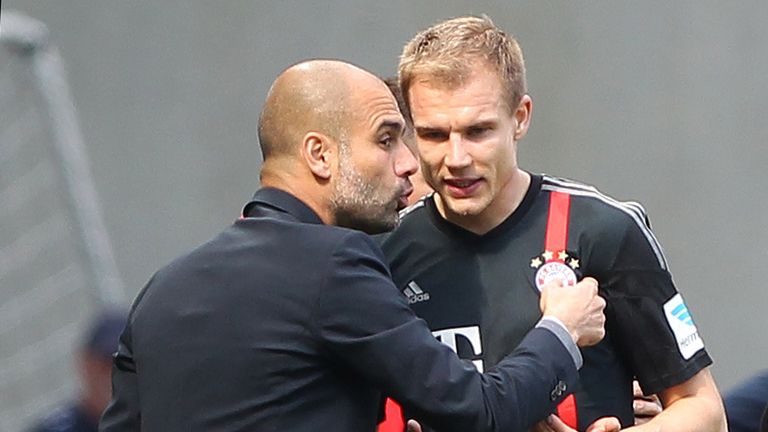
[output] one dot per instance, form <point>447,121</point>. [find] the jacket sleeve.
<point>365,323</point>
<point>123,412</point>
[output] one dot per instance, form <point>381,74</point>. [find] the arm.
<point>653,328</point>
<point>693,405</point>
<point>364,323</point>
<point>123,412</point>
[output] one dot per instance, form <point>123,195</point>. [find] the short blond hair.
<point>450,51</point>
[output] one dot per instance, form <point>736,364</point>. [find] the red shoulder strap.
<point>556,241</point>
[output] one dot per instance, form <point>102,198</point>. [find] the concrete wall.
<point>661,102</point>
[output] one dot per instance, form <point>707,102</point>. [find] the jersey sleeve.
<point>365,324</point>
<point>123,412</point>
<point>646,315</point>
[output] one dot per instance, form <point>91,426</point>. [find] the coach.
<point>288,320</point>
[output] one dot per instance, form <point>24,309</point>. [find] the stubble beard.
<point>356,203</point>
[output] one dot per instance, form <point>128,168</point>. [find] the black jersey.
<point>480,293</point>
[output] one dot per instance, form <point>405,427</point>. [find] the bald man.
<point>288,320</point>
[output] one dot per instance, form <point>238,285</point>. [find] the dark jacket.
<point>281,323</point>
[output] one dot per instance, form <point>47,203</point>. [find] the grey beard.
<point>356,204</point>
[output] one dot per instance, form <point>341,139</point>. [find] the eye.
<point>387,141</point>
<point>435,136</point>
<point>478,131</point>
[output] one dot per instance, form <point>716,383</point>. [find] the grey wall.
<point>662,102</point>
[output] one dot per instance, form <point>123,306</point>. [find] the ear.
<point>317,152</point>
<point>522,115</point>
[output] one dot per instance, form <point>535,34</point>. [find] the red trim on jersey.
<point>567,411</point>
<point>393,418</point>
<point>556,241</point>
<point>557,223</point>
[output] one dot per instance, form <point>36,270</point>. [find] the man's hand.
<point>645,407</point>
<point>554,424</point>
<point>578,307</point>
<point>413,426</point>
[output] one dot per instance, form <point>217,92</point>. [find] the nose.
<point>406,164</point>
<point>457,156</point>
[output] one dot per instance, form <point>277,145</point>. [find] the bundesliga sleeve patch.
<point>681,322</point>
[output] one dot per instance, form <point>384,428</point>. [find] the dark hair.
<point>394,86</point>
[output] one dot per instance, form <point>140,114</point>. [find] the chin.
<point>379,227</point>
<point>465,207</point>
<point>374,225</point>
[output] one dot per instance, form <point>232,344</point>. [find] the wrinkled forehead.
<point>372,104</point>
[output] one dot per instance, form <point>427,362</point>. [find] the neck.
<point>308,192</point>
<point>503,205</point>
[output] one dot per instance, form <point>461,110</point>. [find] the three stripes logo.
<point>414,293</point>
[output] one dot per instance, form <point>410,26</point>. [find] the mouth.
<point>462,187</point>
<point>402,201</point>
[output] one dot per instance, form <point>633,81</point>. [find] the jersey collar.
<point>510,222</point>
<point>283,201</point>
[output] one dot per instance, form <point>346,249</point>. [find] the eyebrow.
<point>430,128</point>
<point>390,124</point>
<point>426,129</point>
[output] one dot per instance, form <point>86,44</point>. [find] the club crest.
<point>555,265</point>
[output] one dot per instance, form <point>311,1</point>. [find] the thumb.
<point>605,424</point>
<point>557,425</point>
<point>413,426</point>
<point>546,289</point>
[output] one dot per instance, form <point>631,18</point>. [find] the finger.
<point>599,302</point>
<point>591,281</point>
<point>541,426</point>
<point>645,408</point>
<point>605,424</point>
<point>413,426</point>
<point>543,297</point>
<point>557,425</point>
<point>642,420</point>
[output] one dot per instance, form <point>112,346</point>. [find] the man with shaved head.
<point>288,320</point>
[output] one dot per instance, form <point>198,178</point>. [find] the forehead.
<point>373,105</point>
<point>479,95</point>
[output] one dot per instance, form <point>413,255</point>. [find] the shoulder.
<point>604,219</point>
<point>414,216</point>
<point>412,221</point>
<point>604,206</point>
<point>416,232</point>
<point>599,213</point>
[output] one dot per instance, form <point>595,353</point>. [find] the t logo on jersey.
<point>471,334</point>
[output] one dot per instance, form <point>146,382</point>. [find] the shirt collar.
<point>283,201</point>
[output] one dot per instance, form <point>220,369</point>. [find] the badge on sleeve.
<point>681,322</point>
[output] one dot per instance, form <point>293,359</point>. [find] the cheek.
<point>430,157</point>
<point>503,160</point>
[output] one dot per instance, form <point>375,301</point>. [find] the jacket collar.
<point>282,201</point>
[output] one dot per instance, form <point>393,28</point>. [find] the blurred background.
<point>656,101</point>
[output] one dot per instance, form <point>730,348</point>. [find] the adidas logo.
<point>414,293</point>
